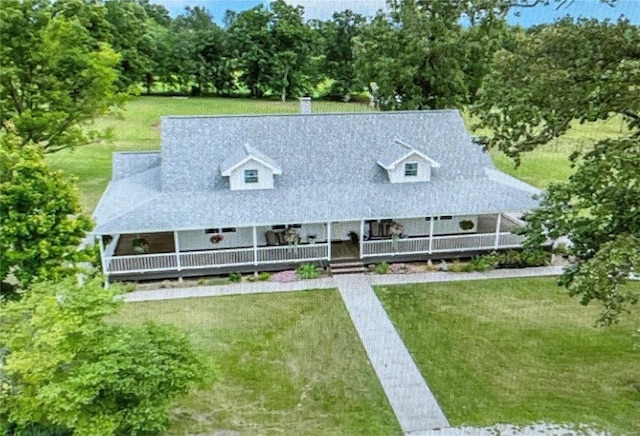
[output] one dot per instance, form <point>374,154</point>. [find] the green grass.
<point>138,129</point>
<point>288,364</point>
<point>518,351</point>
<point>549,163</point>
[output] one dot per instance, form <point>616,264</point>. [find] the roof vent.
<point>305,105</point>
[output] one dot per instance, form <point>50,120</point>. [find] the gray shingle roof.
<point>330,171</point>
<point>246,151</point>
<point>398,150</point>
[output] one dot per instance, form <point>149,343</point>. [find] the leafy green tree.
<point>273,48</point>
<point>40,217</point>
<point>419,54</point>
<point>569,72</point>
<point>56,77</point>
<point>198,58</point>
<point>338,62</point>
<point>131,36</point>
<point>66,369</point>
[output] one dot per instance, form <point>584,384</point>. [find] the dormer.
<point>248,168</point>
<point>405,164</point>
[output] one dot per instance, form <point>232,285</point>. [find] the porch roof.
<point>149,209</point>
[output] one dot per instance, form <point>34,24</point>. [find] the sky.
<point>323,9</point>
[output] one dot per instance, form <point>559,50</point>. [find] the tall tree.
<point>419,54</point>
<point>56,77</point>
<point>200,52</point>
<point>273,47</point>
<point>66,370</point>
<point>338,53</point>
<point>132,37</point>
<point>40,217</point>
<point>567,72</point>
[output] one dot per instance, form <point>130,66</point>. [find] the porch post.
<point>498,222</point>
<point>361,237</point>
<point>176,243</point>
<point>329,240</point>
<point>103,261</point>
<point>255,246</point>
<point>431,235</point>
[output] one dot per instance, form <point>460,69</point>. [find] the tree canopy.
<point>65,368</point>
<point>586,71</point>
<point>40,216</point>
<point>56,76</point>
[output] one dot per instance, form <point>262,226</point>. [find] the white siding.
<point>420,226</point>
<point>265,176</point>
<point>424,170</point>
<point>199,240</point>
<point>340,231</point>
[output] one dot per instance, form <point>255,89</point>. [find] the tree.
<point>273,48</point>
<point>420,55</point>
<point>131,36</point>
<point>40,216</point>
<point>338,62</point>
<point>56,77</point>
<point>568,72</point>
<point>65,368</point>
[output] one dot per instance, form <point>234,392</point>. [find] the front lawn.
<point>519,351</point>
<point>288,364</point>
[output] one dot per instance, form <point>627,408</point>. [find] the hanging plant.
<point>466,225</point>
<point>216,238</point>
<point>140,245</point>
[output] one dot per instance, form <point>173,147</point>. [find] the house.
<point>263,192</point>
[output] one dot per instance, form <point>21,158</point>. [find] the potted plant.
<point>140,245</point>
<point>466,225</point>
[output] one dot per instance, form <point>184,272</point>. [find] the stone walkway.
<point>329,282</point>
<point>411,399</point>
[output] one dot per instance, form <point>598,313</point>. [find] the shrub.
<point>486,262</point>
<point>382,268</point>
<point>264,276</point>
<point>235,277</point>
<point>307,271</point>
<point>458,266</point>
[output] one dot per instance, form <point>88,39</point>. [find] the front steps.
<point>347,267</point>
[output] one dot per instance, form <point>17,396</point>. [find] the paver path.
<point>411,399</point>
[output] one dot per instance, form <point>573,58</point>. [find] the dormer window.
<point>248,168</point>
<point>407,164</point>
<point>251,176</point>
<point>411,169</point>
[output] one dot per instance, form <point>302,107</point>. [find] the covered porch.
<point>181,252</point>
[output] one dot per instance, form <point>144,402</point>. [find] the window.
<point>278,227</point>
<point>228,230</point>
<point>211,230</point>
<point>411,169</point>
<point>251,176</point>
<point>446,217</point>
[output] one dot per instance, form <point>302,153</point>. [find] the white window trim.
<point>416,169</point>
<point>249,179</point>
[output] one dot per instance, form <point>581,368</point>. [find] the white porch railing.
<point>485,241</point>
<point>200,259</point>
<point>142,262</point>
<point>215,258</point>
<point>292,252</point>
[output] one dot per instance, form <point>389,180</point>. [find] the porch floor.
<point>344,250</point>
<point>158,243</point>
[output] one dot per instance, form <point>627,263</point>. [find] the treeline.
<point>418,53</point>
